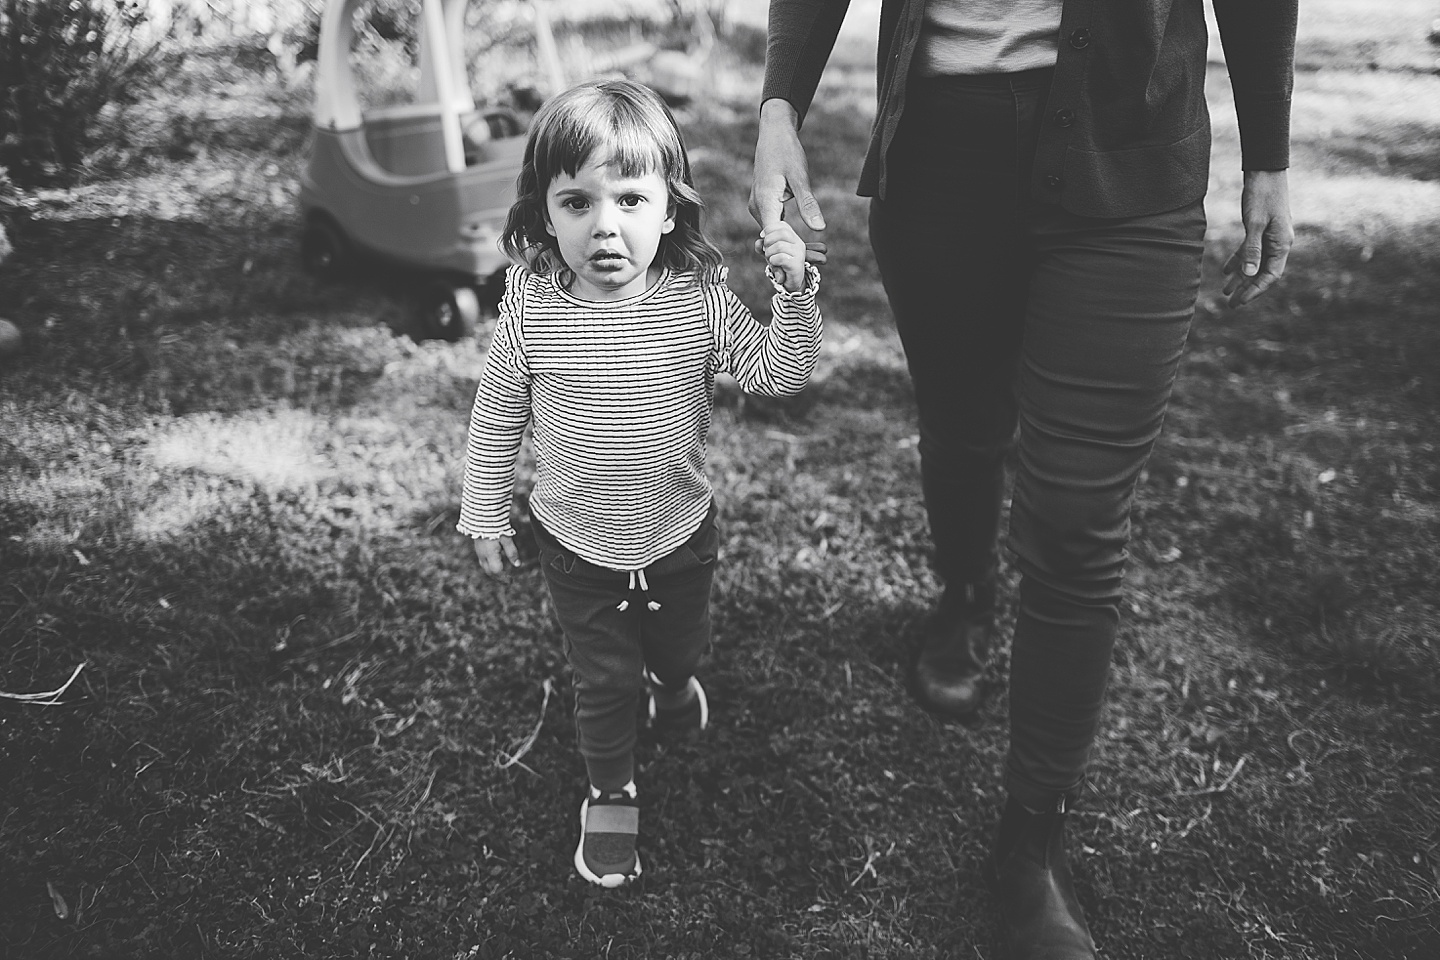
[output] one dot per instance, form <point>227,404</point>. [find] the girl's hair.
<point>631,128</point>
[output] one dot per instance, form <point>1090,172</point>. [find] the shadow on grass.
<point>1296,462</point>
<point>233,729</point>
<point>192,316</point>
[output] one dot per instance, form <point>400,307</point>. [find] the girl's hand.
<point>493,555</point>
<point>786,255</point>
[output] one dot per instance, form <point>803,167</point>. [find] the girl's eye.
<point>574,203</point>
<point>633,200</point>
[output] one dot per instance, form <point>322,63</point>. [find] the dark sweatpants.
<point>1013,311</point>
<point>609,648</point>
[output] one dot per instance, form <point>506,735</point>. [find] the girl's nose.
<point>605,218</point>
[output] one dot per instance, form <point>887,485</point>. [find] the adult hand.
<point>781,170</point>
<point>494,554</point>
<point>1269,234</point>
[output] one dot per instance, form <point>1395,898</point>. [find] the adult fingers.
<point>1241,288</point>
<point>1252,287</point>
<point>782,176</point>
<point>767,205</point>
<point>808,206</point>
<point>815,250</point>
<point>1251,249</point>
<point>1231,269</point>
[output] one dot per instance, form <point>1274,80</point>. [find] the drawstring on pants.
<point>639,585</point>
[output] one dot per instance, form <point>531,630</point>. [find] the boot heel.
<point>1040,916</point>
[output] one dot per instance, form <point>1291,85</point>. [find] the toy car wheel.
<point>323,250</point>
<point>449,312</point>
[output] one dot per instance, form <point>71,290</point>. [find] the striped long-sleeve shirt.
<point>619,396</point>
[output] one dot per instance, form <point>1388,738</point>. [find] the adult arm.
<point>1259,41</point>
<point>801,34</point>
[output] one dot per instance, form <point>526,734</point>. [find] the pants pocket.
<point>700,550</point>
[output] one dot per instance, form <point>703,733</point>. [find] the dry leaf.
<point>62,909</point>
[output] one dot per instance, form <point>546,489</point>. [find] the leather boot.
<point>1040,918</point>
<point>949,664</point>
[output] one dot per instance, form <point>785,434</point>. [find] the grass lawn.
<point>304,724</point>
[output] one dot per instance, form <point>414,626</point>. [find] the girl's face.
<point>608,228</point>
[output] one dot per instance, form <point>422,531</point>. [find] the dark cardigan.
<point>1128,131</point>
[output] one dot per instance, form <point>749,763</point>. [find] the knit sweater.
<point>619,397</point>
<point>1128,131</point>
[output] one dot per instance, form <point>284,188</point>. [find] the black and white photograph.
<point>720,479</point>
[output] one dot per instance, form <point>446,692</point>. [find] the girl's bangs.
<point>625,140</point>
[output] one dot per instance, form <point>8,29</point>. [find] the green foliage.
<point>61,63</point>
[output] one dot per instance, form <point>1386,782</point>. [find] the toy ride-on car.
<point>424,186</point>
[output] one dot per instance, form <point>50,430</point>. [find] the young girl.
<point>608,342</point>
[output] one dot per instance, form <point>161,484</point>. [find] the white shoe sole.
<point>699,695</point>
<point>610,880</point>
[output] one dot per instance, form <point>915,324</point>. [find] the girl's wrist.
<point>810,280</point>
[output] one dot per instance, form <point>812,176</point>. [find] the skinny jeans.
<point>1043,338</point>
<point>614,631</point>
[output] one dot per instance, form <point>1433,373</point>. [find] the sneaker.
<point>609,823</point>
<point>692,713</point>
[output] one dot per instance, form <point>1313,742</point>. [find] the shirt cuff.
<point>812,283</point>
<point>475,534</point>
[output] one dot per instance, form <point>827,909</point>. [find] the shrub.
<point>61,63</point>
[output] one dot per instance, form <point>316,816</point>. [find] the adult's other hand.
<point>1269,233</point>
